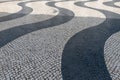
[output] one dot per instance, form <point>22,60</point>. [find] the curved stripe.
<point>10,34</point>
<point>80,11</point>
<point>83,55</point>
<point>37,15</point>
<point>25,11</point>
<point>111,68</point>
<point>112,55</point>
<point>117,4</point>
<point>99,5</point>
<point>11,7</point>
<point>40,7</point>
<point>112,3</point>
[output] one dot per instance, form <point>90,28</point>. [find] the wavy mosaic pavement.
<point>59,40</point>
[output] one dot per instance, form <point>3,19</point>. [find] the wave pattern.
<point>112,3</point>
<point>75,40</point>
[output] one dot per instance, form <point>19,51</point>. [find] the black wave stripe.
<point>10,34</point>
<point>83,55</point>
<point>25,11</point>
<point>111,3</point>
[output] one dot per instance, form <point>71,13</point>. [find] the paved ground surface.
<point>59,40</point>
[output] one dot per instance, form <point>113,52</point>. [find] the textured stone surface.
<point>36,52</point>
